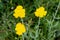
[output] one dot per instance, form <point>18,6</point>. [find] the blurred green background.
<point>49,25</point>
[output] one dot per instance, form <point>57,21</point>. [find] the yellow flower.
<point>19,12</point>
<point>40,12</point>
<point>20,29</point>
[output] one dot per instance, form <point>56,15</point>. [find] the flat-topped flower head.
<point>20,29</point>
<point>19,12</point>
<point>40,12</point>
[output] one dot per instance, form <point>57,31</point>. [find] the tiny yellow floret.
<point>19,12</point>
<point>40,12</point>
<point>20,29</point>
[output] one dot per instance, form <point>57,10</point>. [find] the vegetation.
<point>45,28</point>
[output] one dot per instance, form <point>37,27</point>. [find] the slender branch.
<point>22,35</point>
<point>22,20</point>
<point>39,22</point>
<point>56,10</point>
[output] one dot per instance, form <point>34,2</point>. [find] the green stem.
<point>37,30</point>
<point>22,37</point>
<point>23,23</point>
<point>56,10</point>
<point>38,22</point>
<point>22,20</point>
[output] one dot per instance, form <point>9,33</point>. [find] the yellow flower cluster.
<point>19,12</point>
<point>20,29</point>
<point>40,12</point>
